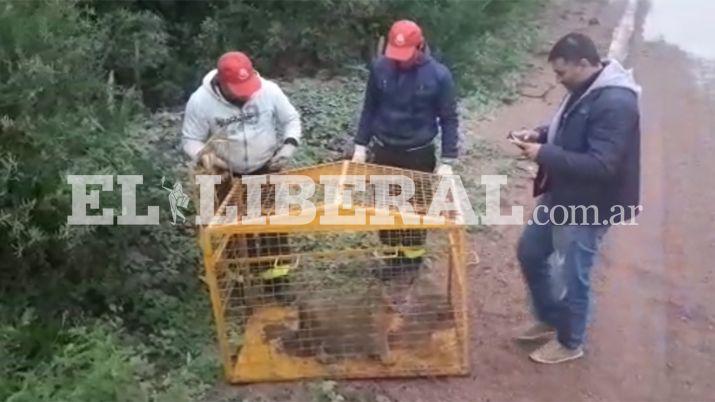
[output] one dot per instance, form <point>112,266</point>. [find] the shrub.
<point>59,116</point>
<point>286,35</point>
<point>85,364</point>
<point>289,38</point>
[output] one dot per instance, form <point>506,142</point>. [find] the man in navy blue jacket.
<point>409,98</point>
<point>589,178</point>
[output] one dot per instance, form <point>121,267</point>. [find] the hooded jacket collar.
<point>613,74</point>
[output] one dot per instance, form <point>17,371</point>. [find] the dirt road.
<point>653,337</point>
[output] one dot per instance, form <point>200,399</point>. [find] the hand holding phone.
<point>515,139</point>
<point>524,135</point>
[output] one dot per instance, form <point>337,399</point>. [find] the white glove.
<point>281,158</point>
<point>360,154</point>
<point>444,170</point>
<point>210,162</point>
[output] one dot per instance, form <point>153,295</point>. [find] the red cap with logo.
<point>235,70</point>
<point>404,39</point>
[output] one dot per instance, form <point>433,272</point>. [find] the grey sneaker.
<point>536,332</point>
<point>554,352</point>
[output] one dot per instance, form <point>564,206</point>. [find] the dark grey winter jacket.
<point>591,152</point>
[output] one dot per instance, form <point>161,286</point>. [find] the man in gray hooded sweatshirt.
<point>241,123</point>
<point>588,179</point>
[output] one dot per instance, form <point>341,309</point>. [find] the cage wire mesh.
<point>358,301</point>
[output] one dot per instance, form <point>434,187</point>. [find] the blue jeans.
<point>556,262</point>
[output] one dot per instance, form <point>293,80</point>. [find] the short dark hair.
<point>574,47</point>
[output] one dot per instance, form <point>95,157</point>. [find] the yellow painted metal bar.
<point>428,222</point>
<point>341,183</point>
<point>393,252</point>
<point>216,255</point>
<point>457,240</point>
<point>212,282</point>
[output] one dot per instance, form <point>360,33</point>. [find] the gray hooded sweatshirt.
<point>245,137</point>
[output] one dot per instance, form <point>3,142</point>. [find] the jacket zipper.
<point>245,140</point>
<point>243,129</point>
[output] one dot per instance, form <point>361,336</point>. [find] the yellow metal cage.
<point>348,300</point>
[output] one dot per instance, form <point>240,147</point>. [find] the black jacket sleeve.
<point>614,120</point>
<point>370,104</point>
<point>448,117</point>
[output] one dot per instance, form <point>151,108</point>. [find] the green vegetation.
<point>110,313</point>
<point>164,47</point>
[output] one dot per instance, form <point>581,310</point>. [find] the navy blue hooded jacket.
<point>404,109</point>
<point>591,151</point>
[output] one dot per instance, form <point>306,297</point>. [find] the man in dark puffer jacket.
<point>409,98</point>
<point>589,172</point>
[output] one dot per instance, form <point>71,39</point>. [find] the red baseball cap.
<point>235,70</point>
<point>403,40</point>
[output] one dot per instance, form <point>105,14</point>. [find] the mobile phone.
<point>511,136</point>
